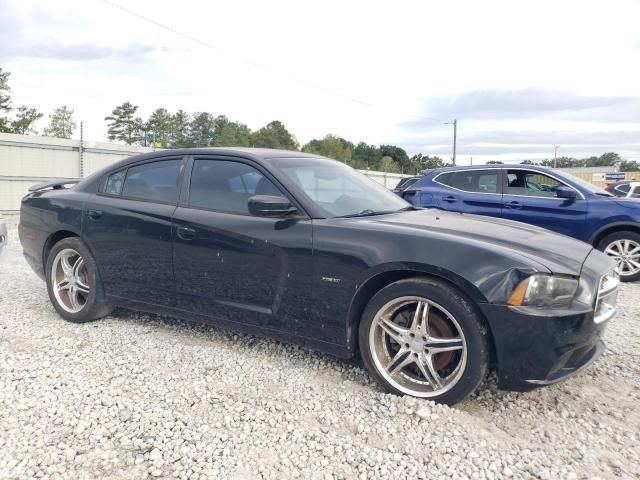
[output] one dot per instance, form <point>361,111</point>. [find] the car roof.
<point>486,167</point>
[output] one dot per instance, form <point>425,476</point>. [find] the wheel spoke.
<point>77,265</point>
<point>62,285</point>
<point>440,345</point>
<point>408,359</point>
<point>420,322</point>
<point>67,268</point>
<point>394,331</point>
<point>425,364</point>
<point>73,298</point>
<point>633,265</point>
<point>611,252</point>
<point>82,287</point>
<point>399,354</point>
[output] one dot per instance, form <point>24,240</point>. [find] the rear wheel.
<point>73,282</point>
<point>421,337</point>
<point>624,248</point>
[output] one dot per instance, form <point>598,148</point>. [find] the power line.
<point>254,63</point>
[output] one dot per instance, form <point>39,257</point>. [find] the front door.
<point>128,229</point>
<point>530,197</point>
<point>232,265</point>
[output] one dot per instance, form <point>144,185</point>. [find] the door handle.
<point>186,233</point>
<point>514,205</point>
<point>94,214</point>
<point>449,199</point>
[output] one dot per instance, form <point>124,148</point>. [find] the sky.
<point>519,76</point>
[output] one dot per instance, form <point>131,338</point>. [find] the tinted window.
<point>475,181</point>
<point>114,183</point>
<point>157,181</point>
<point>624,188</point>
<point>532,184</point>
<point>227,186</point>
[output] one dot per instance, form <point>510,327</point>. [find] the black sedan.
<point>307,250</point>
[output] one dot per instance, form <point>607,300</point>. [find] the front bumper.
<point>535,348</point>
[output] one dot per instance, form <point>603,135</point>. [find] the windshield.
<point>338,189</point>
<point>586,185</point>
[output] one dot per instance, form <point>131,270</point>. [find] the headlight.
<point>542,290</point>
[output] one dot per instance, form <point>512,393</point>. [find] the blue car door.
<point>529,196</point>
<point>477,191</point>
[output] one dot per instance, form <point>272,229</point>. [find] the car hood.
<point>558,253</point>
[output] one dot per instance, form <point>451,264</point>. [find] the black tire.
<point>94,306</point>
<point>616,236</point>
<point>474,333</point>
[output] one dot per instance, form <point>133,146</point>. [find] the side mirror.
<point>270,206</point>
<point>566,192</point>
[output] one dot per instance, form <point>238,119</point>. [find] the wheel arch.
<point>54,238</point>
<point>379,280</point>
<point>597,237</point>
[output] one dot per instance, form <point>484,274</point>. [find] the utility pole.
<point>81,150</point>
<point>455,134</point>
<point>555,154</point>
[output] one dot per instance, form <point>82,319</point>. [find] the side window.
<point>531,184</point>
<point>474,181</point>
<point>635,192</point>
<point>227,186</point>
<point>624,188</point>
<point>156,181</point>
<point>445,179</point>
<point>114,183</point>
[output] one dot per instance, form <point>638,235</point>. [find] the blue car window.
<point>473,181</point>
<point>531,184</point>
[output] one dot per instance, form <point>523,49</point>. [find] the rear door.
<point>234,266</point>
<point>529,196</point>
<point>128,228</point>
<point>477,191</point>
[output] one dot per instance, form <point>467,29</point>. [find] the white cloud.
<point>401,57</point>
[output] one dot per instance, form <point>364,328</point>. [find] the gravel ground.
<point>137,395</point>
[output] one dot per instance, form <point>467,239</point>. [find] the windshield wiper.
<point>368,212</point>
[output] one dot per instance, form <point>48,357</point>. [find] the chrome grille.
<point>607,298</point>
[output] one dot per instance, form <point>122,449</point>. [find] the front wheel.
<point>73,282</point>
<point>421,337</point>
<point>624,248</point>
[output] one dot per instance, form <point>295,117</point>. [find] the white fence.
<point>28,159</point>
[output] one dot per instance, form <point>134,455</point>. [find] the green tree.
<point>230,134</point>
<point>25,120</point>
<point>526,162</point>
<point>124,126</point>
<point>399,156</point>
<point>368,156</point>
<point>421,162</point>
<point>202,130</point>
<point>388,164</point>
<point>5,101</point>
<point>495,162</point>
<point>629,166</point>
<point>180,124</point>
<point>274,135</point>
<point>159,128</point>
<point>61,123</point>
<point>331,146</point>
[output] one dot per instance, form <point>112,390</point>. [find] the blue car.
<point>539,196</point>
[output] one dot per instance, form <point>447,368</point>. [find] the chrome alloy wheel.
<point>418,346</point>
<point>70,280</point>
<point>627,254</point>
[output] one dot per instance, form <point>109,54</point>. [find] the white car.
<point>630,189</point>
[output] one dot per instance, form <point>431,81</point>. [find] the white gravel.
<point>137,395</point>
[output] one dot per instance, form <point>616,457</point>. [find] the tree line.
<point>609,159</point>
<point>61,122</point>
<point>164,129</point>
